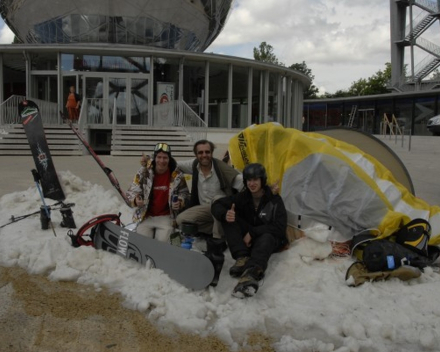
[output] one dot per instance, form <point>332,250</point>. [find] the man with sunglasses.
<point>158,192</point>
<point>211,179</point>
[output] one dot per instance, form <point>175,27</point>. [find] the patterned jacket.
<point>143,183</point>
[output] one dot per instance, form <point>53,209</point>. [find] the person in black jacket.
<point>254,223</point>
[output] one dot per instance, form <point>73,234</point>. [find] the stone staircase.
<point>61,141</point>
<point>125,141</point>
<point>133,140</point>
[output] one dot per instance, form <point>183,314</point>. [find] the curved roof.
<point>173,24</point>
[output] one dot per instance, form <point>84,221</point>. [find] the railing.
<point>418,25</point>
<point>192,124</point>
<point>167,114</point>
<point>9,111</point>
<point>95,110</point>
<point>427,5</point>
<point>428,46</point>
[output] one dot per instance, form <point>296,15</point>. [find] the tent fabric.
<point>331,182</point>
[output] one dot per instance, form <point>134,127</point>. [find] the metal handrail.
<point>192,124</point>
<point>168,114</point>
<point>427,5</point>
<point>9,111</point>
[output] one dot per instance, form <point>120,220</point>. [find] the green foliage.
<point>312,91</point>
<point>265,54</point>
<point>376,84</point>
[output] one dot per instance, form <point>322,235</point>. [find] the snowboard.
<point>190,268</point>
<point>33,127</point>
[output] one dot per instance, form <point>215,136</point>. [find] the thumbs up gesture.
<point>230,214</point>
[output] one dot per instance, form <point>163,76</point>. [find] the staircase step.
<point>127,140</point>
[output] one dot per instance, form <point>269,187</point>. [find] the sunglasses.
<point>162,147</point>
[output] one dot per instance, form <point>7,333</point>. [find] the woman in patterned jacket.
<point>158,192</point>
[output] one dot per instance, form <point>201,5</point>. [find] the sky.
<point>304,304</point>
<point>340,40</point>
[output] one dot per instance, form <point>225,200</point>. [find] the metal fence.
<point>168,114</point>
<point>9,111</point>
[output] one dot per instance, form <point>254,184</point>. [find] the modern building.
<point>415,90</point>
<point>140,64</point>
<point>411,111</point>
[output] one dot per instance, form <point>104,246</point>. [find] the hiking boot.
<point>239,267</point>
<point>249,283</point>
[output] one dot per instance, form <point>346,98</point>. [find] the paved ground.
<point>422,162</point>
<point>38,315</point>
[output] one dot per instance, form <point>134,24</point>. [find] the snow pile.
<point>303,304</point>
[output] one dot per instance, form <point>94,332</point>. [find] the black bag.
<point>385,255</point>
<point>407,246</point>
<point>415,236</point>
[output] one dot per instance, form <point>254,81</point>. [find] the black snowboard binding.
<point>67,214</point>
<point>214,252</point>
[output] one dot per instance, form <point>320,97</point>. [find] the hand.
<point>247,239</point>
<point>144,160</point>
<point>275,187</point>
<point>230,214</point>
<point>176,205</point>
<point>139,201</point>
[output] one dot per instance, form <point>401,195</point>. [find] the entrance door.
<point>139,101</point>
<point>116,98</point>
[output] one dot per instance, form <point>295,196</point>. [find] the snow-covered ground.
<point>304,304</point>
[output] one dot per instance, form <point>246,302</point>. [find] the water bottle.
<point>187,243</point>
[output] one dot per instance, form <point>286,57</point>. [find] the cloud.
<point>341,41</point>
<point>6,35</point>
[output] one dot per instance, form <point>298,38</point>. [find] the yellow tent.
<point>331,182</point>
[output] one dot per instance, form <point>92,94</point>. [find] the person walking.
<point>73,105</point>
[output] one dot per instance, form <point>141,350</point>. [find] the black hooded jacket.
<point>270,217</point>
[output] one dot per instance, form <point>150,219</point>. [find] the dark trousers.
<point>261,247</point>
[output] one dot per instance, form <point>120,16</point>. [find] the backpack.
<point>406,246</point>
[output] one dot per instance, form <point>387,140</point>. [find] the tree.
<point>312,91</point>
<point>265,54</point>
<point>376,84</point>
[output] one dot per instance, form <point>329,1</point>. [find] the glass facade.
<point>169,24</point>
<point>218,95</point>
<point>126,90</point>
<point>194,86</point>
<point>411,110</point>
<point>240,104</point>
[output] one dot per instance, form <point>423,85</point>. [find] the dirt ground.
<point>39,315</point>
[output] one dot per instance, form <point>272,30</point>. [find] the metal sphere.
<point>171,24</point>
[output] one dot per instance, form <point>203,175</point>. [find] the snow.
<point>304,304</point>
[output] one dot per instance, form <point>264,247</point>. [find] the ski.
<point>111,176</point>
<point>33,127</point>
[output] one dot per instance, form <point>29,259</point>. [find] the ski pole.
<point>17,218</point>
<point>37,183</point>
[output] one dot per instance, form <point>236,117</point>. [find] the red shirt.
<point>158,204</point>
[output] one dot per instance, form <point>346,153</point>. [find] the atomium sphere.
<point>171,24</point>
